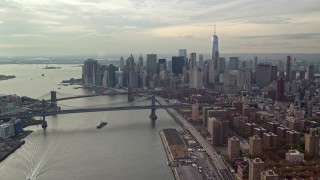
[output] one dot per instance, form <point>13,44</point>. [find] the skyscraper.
<point>222,64</point>
<point>141,79</point>
<point>151,66</point>
<point>169,66</point>
<point>215,49</point>
<point>243,65</point>
<point>254,75</point>
<point>218,126</point>
<point>193,71</point>
<point>274,73</point>
<point>105,78</point>
<point>162,65</point>
<point>244,79</point>
<point>256,166</point>
<point>265,74</point>
<point>99,75</point>
<point>280,89</point>
<point>140,64</point>
<point>183,53</point>
<point>233,147</point>
<point>130,64</point>
<point>310,70</point>
<point>177,65</point>
<point>125,75</point>
<point>200,65</point>
<point>119,78</point>
<point>255,64</point>
<point>234,63</point>
<point>206,71</point>
<point>89,71</point>
<point>121,63</point>
<point>214,71</point>
<point>312,143</point>
<point>111,75</point>
<point>193,60</point>
<point>195,78</point>
<point>288,69</point>
<point>255,146</point>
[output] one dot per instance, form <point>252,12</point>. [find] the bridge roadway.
<point>222,171</point>
<point>114,92</point>
<point>84,110</point>
<point>91,95</point>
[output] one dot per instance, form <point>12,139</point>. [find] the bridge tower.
<point>153,115</point>
<point>130,94</point>
<point>53,98</point>
<point>44,122</point>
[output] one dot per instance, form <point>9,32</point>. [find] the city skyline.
<point>74,27</point>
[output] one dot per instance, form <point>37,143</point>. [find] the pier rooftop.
<point>175,145</point>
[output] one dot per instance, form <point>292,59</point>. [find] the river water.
<point>71,147</point>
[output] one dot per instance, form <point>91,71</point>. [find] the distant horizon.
<point>263,57</point>
<point>136,54</point>
<point>55,27</point>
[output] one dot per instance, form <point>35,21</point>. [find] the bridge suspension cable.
<point>64,95</point>
<point>44,96</point>
<point>68,106</point>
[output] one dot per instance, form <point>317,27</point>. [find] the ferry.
<point>101,125</point>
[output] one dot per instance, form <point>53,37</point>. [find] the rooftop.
<point>293,151</point>
<point>5,125</point>
<point>172,136</point>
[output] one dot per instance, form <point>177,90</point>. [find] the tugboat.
<point>101,125</point>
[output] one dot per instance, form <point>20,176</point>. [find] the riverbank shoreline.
<point>30,122</point>
<point>10,145</point>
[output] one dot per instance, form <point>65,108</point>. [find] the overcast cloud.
<point>60,27</point>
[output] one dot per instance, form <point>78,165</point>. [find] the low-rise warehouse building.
<point>174,144</point>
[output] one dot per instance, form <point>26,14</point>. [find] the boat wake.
<point>35,172</point>
<point>47,157</point>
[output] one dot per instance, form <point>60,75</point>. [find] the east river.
<point>71,147</point>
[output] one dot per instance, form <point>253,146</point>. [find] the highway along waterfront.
<point>72,147</point>
<point>220,169</point>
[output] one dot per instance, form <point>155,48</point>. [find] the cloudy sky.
<point>76,27</point>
